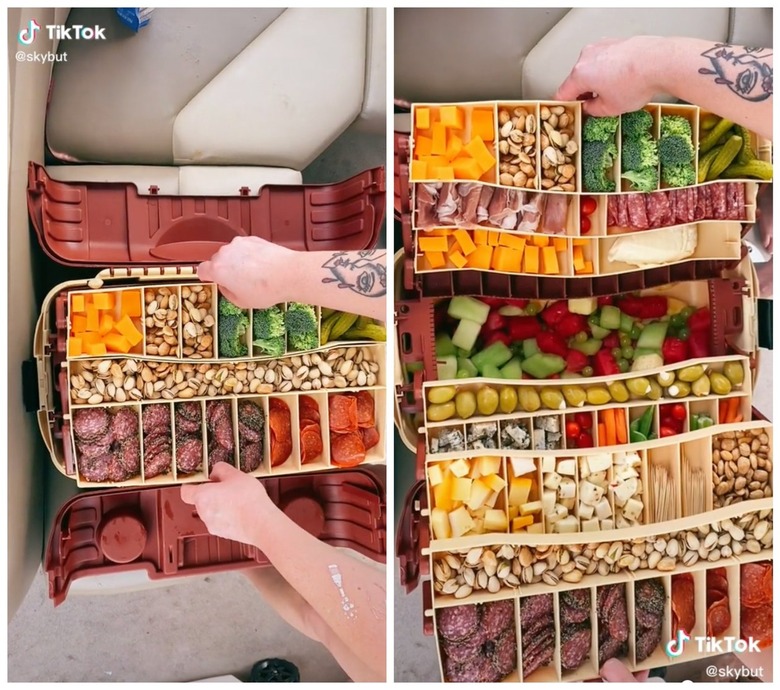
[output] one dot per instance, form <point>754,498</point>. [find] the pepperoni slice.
<point>718,619</point>
<point>281,451</point>
<point>309,424</point>
<point>767,584</point>
<point>717,582</point>
<point>343,414</point>
<point>347,450</point>
<point>756,623</point>
<point>280,426</point>
<point>309,409</point>
<point>752,591</point>
<point>370,436</point>
<point>365,409</point>
<point>311,444</point>
<point>683,602</point>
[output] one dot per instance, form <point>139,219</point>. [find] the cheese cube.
<point>78,323</point>
<point>548,501</point>
<point>480,236</point>
<point>131,301</point>
<point>522,466</point>
<point>488,464</point>
<point>454,147</point>
<point>519,489</point>
<point>460,521</point>
<point>558,513</point>
<point>90,337</point>
<point>117,343</point>
<point>578,259</point>
<point>96,349</point>
<point>435,475</point>
<point>492,499</point>
<point>423,146</point>
<point>511,241</point>
<point>479,493</point>
<point>520,523</point>
<point>93,318</point>
<point>495,482</point>
<point>585,511</point>
<point>439,143</point>
<point>478,527</point>
<point>531,259</point>
<point>463,238</point>
<point>127,328</point>
<point>466,169</point>
<point>104,301</point>
<point>607,524</point>
<point>531,508</point>
<point>633,509</point>
<point>552,480</point>
<point>567,525</point>
<point>482,124</point>
<point>460,468</point>
<point>458,259</point>
<point>75,348</point>
<point>599,463</point>
<point>418,170</point>
<point>567,503</point>
<point>494,237</point>
<point>442,493</point>
<point>567,488</point>
<point>549,261</point>
<point>479,152</point>
<point>536,528</point>
<point>495,521</point>
<point>444,173</point>
<point>422,118</point>
<point>435,259</point>
<point>513,511</point>
<point>451,116</point>
<point>106,323</point>
<point>432,244</point>
<point>461,489</point>
<point>77,304</point>
<point>480,257</point>
<point>548,463</point>
<point>590,493</point>
<point>567,467</point>
<point>440,523</point>
<point>590,525</point>
<point>603,509</point>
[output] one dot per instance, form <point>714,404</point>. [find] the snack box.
<point>458,228</point>
<point>129,363</point>
<point>506,490</point>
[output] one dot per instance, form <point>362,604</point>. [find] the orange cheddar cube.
<point>479,152</point>
<point>494,237</point>
<point>498,258</point>
<point>418,170</point>
<point>482,124</point>
<point>509,261</point>
<point>540,240</point>
<point>454,147</point>
<point>433,244</point>
<point>458,259</point>
<point>438,232</point>
<point>531,259</point>
<point>435,259</point>
<point>78,323</point>
<point>435,162</point>
<point>93,318</point>
<point>578,259</point>
<point>132,303</point>
<point>117,343</point>
<point>588,267</point>
<point>74,347</point>
<point>422,118</point>
<point>510,240</point>
<point>96,349</point>
<point>549,261</point>
<point>579,243</point>
<point>104,301</point>
<point>106,324</point>
<point>451,116</point>
<point>480,237</point>
<point>466,169</point>
<point>480,257</point>
<point>77,304</point>
<point>127,328</point>
<point>560,244</point>
<point>444,173</point>
<point>522,522</point>
<point>423,146</point>
<point>439,144</point>
<point>89,338</point>
<point>464,241</point>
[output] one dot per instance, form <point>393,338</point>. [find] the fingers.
<point>206,272</point>
<point>642,676</point>
<point>189,493</point>
<point>614,671</point>
<point>571,88</point>
<point>597,107</point>
<point>223,471</point>
<point>235,299</point>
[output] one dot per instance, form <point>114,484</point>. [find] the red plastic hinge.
<point>407,544</point>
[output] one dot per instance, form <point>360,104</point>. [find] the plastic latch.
<point>154,189</point>
<point>30,393</point>
<point>427,597</point>
<point>244,191</point>
<point>407,544</point>
<point>765,320</point>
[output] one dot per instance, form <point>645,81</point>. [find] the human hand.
<point>619,73</point>
<point>252,272</point>
<point>231,504</point>
<point>614,671</point>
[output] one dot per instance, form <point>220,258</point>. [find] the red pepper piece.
<point>699,320</point>
<point>570,325</point>
<point>495,336</point>
<point>552,344</point>
<point>555,312</point>
<point>674,350</point>
<point>524,327</point>
<point>576,361</point>
<point>604,363</point>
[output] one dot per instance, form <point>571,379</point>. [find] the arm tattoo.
<point>745,71</point>
<point>362,272</point>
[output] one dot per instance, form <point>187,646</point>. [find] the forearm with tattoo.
<point>362,272</point>
<point>745,71</point>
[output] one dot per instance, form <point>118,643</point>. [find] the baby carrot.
<point>733,410</point>
<point>609,424</point>
<point>722,411</point>
<point>620,426</point>
<point>602,435</point>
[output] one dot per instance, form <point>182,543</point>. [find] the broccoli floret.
<point>301,323</point>
<point>232,332</point>
<point>645,180</point>
<point>679,175</point>
<point>635,124</point>
<point>676,125</point>
<point>268,323</point>
<point>675,150</point>
<point>270,346</point>
<point>639,154</point>
<point>227,308</point>
<point>597,160</point>
<point>599,129</point>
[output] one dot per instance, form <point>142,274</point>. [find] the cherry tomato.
<point>572,429</point>
<point>666,431</point>
<point>678,411</point>
<point>584,419</point>
<point>585,440</point>
<point>584,225</point>
<point>587,205</point>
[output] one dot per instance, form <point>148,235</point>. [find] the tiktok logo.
<point>27,36</point>
<point>675,647</point>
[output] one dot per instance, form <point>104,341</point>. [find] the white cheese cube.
<point>460,521</point>
<point>621,522</point>
<point>607,524</point>
<point>622,491</point>
<point>568,502</point>
<point>521,466</point>
<point>626,472</point>
<point>567,467</point>
<point>536,528</point>
<point>435,475</point>
<point>590,493</point>
<point>548,463</point>
<point>590,526</point>
<point>567,525</point>
<point>552,480</point>
<point>460,468</point>
<point>585,511</point>
<point>495,521</point>
<point>529,508</point>
<point>633,509</point>
<point>548,501</point>
<point>491,500</point>
<point>601,462</point>
<point>603,509</point>
<point>598,478</point>
<point>567,488</point>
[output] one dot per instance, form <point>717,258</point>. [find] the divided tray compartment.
<point>153,530</point>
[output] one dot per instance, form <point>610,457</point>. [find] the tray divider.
<point>557,624</point>
<point>139,410</point>
<point>632,627</point>
<point>265,466</point>
<point>734,577</point>
<point>234,420</point>
<point>519,639</point>
<point>700,602</point>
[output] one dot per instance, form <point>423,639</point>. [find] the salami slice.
<point>311,444</point>
<point>343,413</point>
<point>637,211</point>
<point>646,642</point>
<point>705,193</point>
<point>533,663</point>
<point>691,203</point>
<point>756,623</point>
<point>654,208</point>
<point>575,646</point>
<point>365,409</point>
<point>719,203</point>
<point>456,623</point>
<point>347,450</point>
<point>308,408</point>
<point>463,650</point>
<point>475,670</point>
<point>251,456</point>
<point>732,195</point>
<point>370,437</point>
<point>612,211</point>
<point>699,212</point>
<point>535,607</point>
<point>683,602</point>
<point>752,592</point>
<point>718,618</point>
<point>503,656</point>
<point>740,200</point>
<point>618,620</point>
<point>622,215</point>
<point>681,205</point>
<point>497,616</point>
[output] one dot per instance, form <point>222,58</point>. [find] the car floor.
<point>196,628</point>
<point>415,654</point>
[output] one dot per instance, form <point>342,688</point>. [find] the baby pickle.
<point>656,392</point>
<point>701,386</point>
<point>507,399</point>
<point>441,411</point>
<point>618,391</point>
<point>487,400</point>
<point>552,399</point>
<point>665,378</point>
<point>529,399</point>
<point>720,384</point>
<point>639,386</point>
<point>465,404</point>
<point>734,372</point>
<point>598,395</point>
<point>575,395</point>
<point>691,374</point>
<point>679,389</point>
<point>442,394</point>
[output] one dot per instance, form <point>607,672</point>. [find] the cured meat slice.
<point>448,207</point>
<point>575,606</point>
<point>251,456</point>
<point>618,620</point>
<point>90,424</point>
<point>370,437</point>
<point>756,623</point>
<point>681,205</point>
<point>637,212</point>
<point>347,450</point>
<point>456,623</point>
<point>497,616</point>
<point>647,640</point>
<point>503,655</point>
<point>683,602</point>
<point>280,426</point>
<point>365,409</point>
<point>124,424</point>
<point>611,648</point>
<point>535,607</point>
<point>470,195</point>
<point>718,618</point>
<point>752,585</point>
<point>156,418</point>
<point>612,211</point>
<point>699,210</point>
<point>734,210</point>
<point>483,207</point>
<point>654,209</point>
<point>691,198</point>
<point>503,208</point>
<point>719,202</point>
<point>463,650</point>
<point>426,195</point>
<point>555,213</point>
<point>739,204</point>
<point>343,413</point>
<point>705,193</point>
<point>622,215</point>
<point>475,670</point>
<point>311,443</point>
<point>308,408</point>
<point>575,646</point>
<point>532,663</point>
<point>532,211</point>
